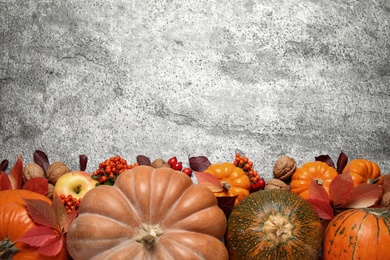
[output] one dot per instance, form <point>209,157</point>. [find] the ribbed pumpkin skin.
<point>321,172</point>
<point>234,176</point>
<point>363,171</point>
<point>358,234</point>
<point>15,222</point>
<point>110,219</point>
<point>247,237</point>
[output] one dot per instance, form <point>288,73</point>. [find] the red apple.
<point>75,183</point>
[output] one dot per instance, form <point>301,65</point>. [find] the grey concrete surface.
<point>169,78</point>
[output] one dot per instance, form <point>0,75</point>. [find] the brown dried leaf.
<point>199,163</point>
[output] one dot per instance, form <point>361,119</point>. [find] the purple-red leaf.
<point>41,212</point>
<point>319,199</point>
<point>3,165</point>
<point>16,174</point>
<point>364,195</point>
<point>199,163</point>
<point>38,236</point>
<point>41,159</point>
<point>226,203</point>
<point>37,184</point>
<point>326,159</point>
<point>83,160</point>
<point>340,189</point>
<point>341,162</point>
<point>209,180</point>
<point>5,183</point>
<point>143,160</point>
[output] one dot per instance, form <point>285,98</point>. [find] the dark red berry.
<point>259,185</point>
<point>172,160</point>
<point>187,171</point>
<point>177,166</point>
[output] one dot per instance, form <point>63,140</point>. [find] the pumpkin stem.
<point>148,235</point>
<point>373,181</point>
<point>278,228</point>
<point>319,182</point>
<point>225,185</point>
<point>7,249</point>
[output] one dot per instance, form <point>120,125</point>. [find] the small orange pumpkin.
<point>363,171</point>
<point>321,172</point>
<point>15,222</point>
<point>358,234</point>
<point>148,214</point>
<point>233,179</point>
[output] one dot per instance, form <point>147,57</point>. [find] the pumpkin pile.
<point>165,209</point>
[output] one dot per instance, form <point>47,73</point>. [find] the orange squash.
<point>363,171</point>
<point>358,234</point>
<point>274,224</point>
<point>233,180</point>
<point>318,171</point>
<point>15,222</point>
<point>148,214</point>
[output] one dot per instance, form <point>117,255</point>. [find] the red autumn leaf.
<point>319,200</point>
<point>364,195</point>
<point>52,246</point>
<point>38,236</point>
<point>16,174</point>
<point>41,159</point>
<point>83,160</point>
<point>226,203</point>
<point>341,162</point>
<point>326,159</point>
<point>68,220</point>
<point>64,219</point>
<point>38,184</point>
<point>340,189</point>
<point>41,212</point>
<point>143,160</point>
<point>209,180</point>
<point>199,163</point>
<point>5,183</point>
<point>3,165</point>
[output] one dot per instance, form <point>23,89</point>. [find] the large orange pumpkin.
<point>320,172</point>
<point>233,180</point>
<point>15,222</point>
<point>148,214</point>
<point>358,234</point>
<point>363,171</point>
<point>274,224</point>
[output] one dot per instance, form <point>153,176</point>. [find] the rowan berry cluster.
<point>70,202</point>
<point>244,163</point>
<point>110,169</point>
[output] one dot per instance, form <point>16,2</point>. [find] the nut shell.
<point>55,171</point>
<point>158,163</point>
<point>284,168</point>
<point>276,184</point>
<point>386,199</point>
<point>32,170</point>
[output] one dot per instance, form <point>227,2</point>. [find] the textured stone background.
<point>186,78</point>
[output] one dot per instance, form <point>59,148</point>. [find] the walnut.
<point>276,184</point>
<point>32,170</point>
<point>158,163</point>
<point>55,171</point>
<point>50,190</point>
<point>284,167</point>
<point>386,199</point>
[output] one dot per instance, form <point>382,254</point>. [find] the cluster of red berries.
<point>70,202</point>
<point>244,163</point>
<point>178,166</point>
<point>110,169</point>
